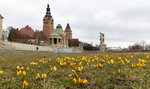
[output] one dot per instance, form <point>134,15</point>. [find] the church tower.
<point>1,27</point>
<point>48,22</point>
<point>68,32</point>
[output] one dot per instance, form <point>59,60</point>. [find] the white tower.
<point>1,27</point>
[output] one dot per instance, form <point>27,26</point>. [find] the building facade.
<point>53,37</point>
<point>57,38</point>
<point>48,22</point>
<point>1,27</point>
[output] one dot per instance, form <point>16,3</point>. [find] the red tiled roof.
<point>27,31</point>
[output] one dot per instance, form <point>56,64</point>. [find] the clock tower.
<point>48,23</point>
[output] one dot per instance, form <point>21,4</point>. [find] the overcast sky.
<point>124,22</point>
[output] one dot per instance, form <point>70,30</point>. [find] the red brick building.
<point>48,22</point>
<point>49,35</point>
<point>27,32</point>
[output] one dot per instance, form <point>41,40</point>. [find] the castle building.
<point>53,37</point>
<point>57,38</point>
<point>1,27</point>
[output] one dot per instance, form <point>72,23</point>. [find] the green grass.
<point>98,78</point>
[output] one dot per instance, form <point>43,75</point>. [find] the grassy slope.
<point>99,78</point>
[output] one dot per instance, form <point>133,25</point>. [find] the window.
<point>59,40</point>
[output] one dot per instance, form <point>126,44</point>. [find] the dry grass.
<point>119,74</point>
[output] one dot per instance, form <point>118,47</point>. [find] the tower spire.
<point>68,31</point>
<point>68,26</point>
<point>48,13</point>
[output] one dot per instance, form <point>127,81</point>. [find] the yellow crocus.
<point>1,72</point>
<point>24,73</point>
<point>33,63</point>
<point>95,66</point>
<point>101,60</point>
<point>21,68</point>
<point>19,72</point>
<point>72,64</point>
<point>122,61</point>
<point>85,81</point>
<point>69,75</point>
<point>37,76</point>
<point>127,61</point>
<point>100,65</point>
<point>18,67</point>
<point>25,84</point>
<point>63,63</point>
<point>80,80</point>
<point>74,80</point>
<point>119,58</point>
<point>27,68</point>
<point>55,68</point>
<point>80,68</point>
<point>75,73</point>
<point>147,57</point>
<point>44,75</point>
<point>133,65</point>
<point>80,64</point>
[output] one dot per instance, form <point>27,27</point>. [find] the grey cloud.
<point>123,21</point>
